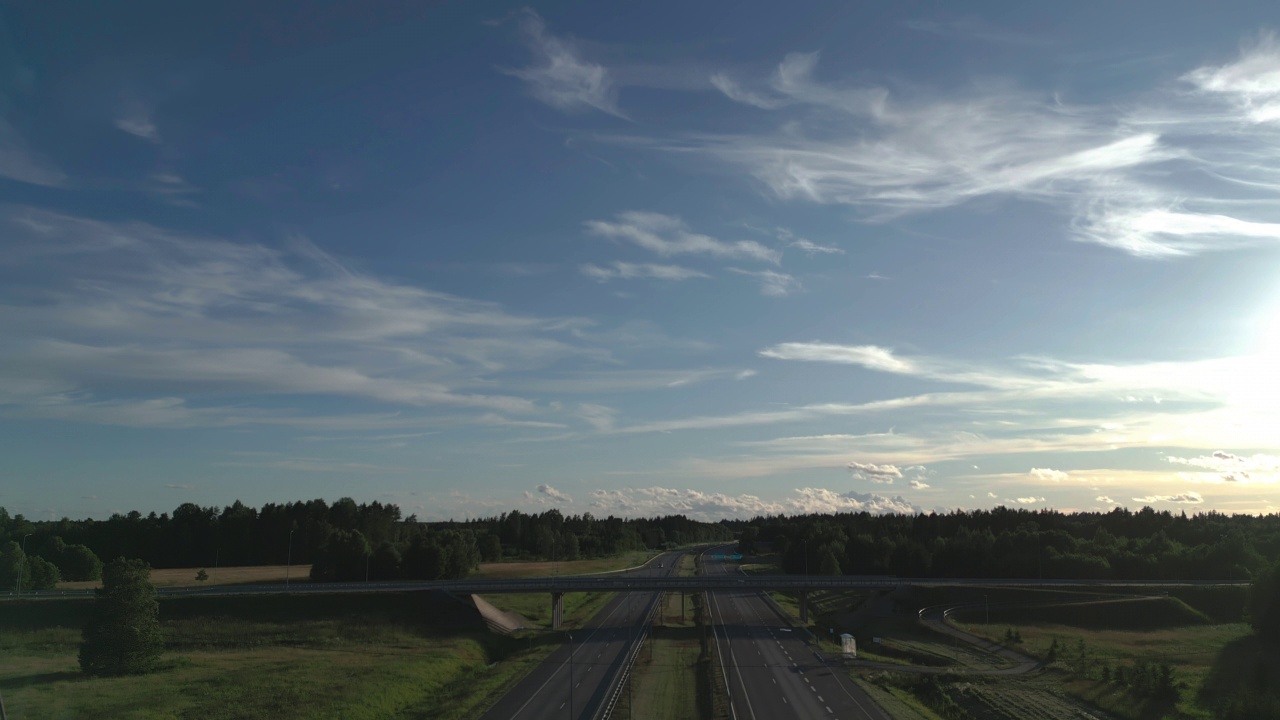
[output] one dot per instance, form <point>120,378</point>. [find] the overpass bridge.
<point>557,586</point>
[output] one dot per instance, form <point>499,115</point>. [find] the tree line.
<point>1003,542</point>
<point>341,541</point>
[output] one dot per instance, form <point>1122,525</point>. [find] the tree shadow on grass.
<point>22,681</point>
<point>1244,681</point>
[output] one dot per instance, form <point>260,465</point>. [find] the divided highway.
<point>771,672</point>
<point>598,651</point>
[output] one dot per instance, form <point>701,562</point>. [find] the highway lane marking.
<point>556,672</point>
<point>713,601</point>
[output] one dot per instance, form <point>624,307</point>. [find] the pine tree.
<point>123,635</point>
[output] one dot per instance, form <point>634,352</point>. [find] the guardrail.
<point>620,680</point>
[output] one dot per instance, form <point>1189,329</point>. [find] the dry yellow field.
<point>186,577</point>
<point>573,567</point>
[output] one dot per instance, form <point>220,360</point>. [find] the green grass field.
<point>384,656</point>
<point>1157,636</point>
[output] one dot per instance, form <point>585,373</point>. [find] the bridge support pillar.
<point>557,610</point>
<point>804,607</point>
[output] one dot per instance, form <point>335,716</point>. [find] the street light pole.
<point>22,568</point>
<point>570,675</point>
<point>288,563</point>
<point>987,599</point>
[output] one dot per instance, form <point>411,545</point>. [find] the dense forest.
<point>346,540</point>
<point>342,541</point>
<point>1121,544</point>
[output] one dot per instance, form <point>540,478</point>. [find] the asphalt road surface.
<point>771,672</point>
<point>598,649</point>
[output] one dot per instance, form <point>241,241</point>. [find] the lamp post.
<point>987,600</point>
<point>570,635</point>
<point>288,563</point>
<point>23,567</point>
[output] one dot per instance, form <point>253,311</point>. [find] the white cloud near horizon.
<point>559,76</point>
<point>1049,474</point>
<point>1187,498</point>
<point>884,474</point>
<point>1229,467</point>
<point>649,501</point>
<point>553,493</point>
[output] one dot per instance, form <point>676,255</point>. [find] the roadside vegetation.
<point>396,655</point>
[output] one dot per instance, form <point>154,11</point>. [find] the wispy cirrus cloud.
<point>869,356</point>
<point>145,326</point>
<point>1183,168</point>
<point>1252,82</point>
<point>559,75</point>
<point>666,235</point>
<point>18,161</point>
<point>631,271</point>
<point>772,282</point>
<point>812,248</point>
<point>135,119</point>
<point>737,93</point>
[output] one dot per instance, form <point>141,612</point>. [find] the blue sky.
<point>662,258</point>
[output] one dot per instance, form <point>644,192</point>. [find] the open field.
<point>186,577</point>
<point>573,567</point>
<point>1192,652</point>
<point>272,657</point>
<point>254,574</point>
